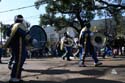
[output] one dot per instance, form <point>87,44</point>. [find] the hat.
<point>18,18</point>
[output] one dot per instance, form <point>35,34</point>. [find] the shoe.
<point>98,64</point>
<point>103,57</point>
<point>63,58</point>
<point>69,60</point>
<point>15,80</point>
<point>81,64</point>
<point>9,67</point>
<point>22,69</point>
<point>21,81</point>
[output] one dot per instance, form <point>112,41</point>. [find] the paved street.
<point>56,70</point>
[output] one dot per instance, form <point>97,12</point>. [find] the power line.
<point>17,9</point>
<point>30,17</point>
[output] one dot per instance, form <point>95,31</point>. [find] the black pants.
<point>0,57</point>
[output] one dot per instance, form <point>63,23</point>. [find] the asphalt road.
<point>56,70</point>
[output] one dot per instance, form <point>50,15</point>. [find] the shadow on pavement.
<point>92,72</point>
<point>112,66</point>
<point>89,80</point>
<point>76,80</point>
<point>50,72</point>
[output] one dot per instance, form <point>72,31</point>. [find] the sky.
<point>30,14</point>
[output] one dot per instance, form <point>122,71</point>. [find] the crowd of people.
<point>80,47</point>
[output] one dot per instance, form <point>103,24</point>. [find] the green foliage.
<point>72,9</point>
<point>59,22</point>
<point>69,7</point>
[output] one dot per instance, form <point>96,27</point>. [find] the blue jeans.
<point>81,52</point>
<point>69,52</point>
<point>92,52</point>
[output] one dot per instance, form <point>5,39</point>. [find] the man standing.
<point>17,43</point>
<point>85,41</point>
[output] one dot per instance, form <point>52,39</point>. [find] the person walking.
<point>17,43</point>
<point>85,41</point>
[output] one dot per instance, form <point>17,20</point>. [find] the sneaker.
<point>81,64</point>
<point>98,64</point>
<point>21,81</point>
<point>63,58</point>
<point>14,80</point>
<point>0,62</point>
<point>9,67</point>
<point>103,57</point>
<point>69,60</point>
<point>22,69</point>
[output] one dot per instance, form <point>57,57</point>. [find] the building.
<point>107,25</point>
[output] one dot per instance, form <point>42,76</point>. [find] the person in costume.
<point>87,46</point>
<point>67,44</point>
<point>18,36</point>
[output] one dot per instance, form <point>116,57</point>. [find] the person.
<point>85,41</point>
<point>1,53</point>
<point>76,47</point>
<point>107,51</point>
<point>67,46</point>
<point>17,43</point>
<point>11,61</point>
<point>17,19</point>
<point>60,51</point>
<point>81,50</point>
